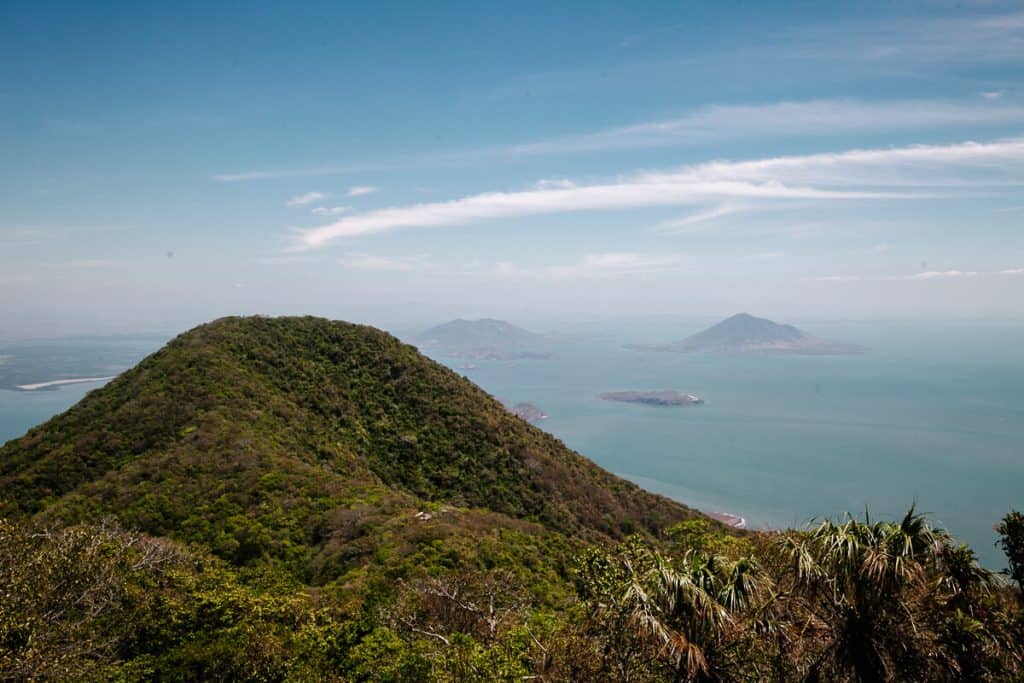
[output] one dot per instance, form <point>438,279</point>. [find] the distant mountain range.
<point>478,334</point>
<point>744,333</point>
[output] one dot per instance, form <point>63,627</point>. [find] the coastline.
<point>729,519</point>
<point>61,382</point>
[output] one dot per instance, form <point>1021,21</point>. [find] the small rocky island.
<point>653,398</point>
<point>528,412</point>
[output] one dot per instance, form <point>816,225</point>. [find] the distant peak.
<point>745,316</point>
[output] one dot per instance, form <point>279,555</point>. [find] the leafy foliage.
<point>304,500</point>
<point>1011,531</point>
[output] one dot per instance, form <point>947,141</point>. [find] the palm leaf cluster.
<point>846,600</point>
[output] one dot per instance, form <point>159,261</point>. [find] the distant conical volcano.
<point>744,333</point>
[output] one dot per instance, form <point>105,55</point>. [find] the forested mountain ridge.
<point>253,435</point>
<point>296,499</point>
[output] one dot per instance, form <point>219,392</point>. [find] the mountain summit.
<point>312,443</point>
<point>743,333</point>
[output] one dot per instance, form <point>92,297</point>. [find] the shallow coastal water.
<point>21,410</point>
<point>934,413</point>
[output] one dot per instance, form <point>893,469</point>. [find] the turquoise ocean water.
<point>934,413</point>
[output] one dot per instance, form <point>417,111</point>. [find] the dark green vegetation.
<point>1011,530</point>
<point>299,499</point>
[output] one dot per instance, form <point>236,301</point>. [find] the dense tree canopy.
<point>304,500</point>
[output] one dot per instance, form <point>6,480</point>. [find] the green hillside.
<point>303,440</point>
<point>296,499</point>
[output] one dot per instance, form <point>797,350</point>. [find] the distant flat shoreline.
<point>61,382</point>
<point>653,398</point>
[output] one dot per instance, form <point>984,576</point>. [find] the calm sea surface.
<point>933,413</point>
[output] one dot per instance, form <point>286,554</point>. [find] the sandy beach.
<point>61,382</point>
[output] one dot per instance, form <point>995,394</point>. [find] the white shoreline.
<point>729,519</point>
<point>62,382</point>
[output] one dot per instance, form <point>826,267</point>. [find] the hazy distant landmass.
<point>744,333</point>
<point>484,339</point>
<point>654,398</point>
<point>486,333</point>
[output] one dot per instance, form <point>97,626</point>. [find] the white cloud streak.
<point>686,223</point>
<point>329,210</point>
<point>714,123</point>
<point>603,197</point>
<point>307,198</point>
<point>863,174</point>
<point>801,118</point>
<point>941,275</point>
<point>360,190</point>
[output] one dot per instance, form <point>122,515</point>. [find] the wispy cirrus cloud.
<point>797,118</point>
<point>628,194</point>
<point>307,172</point>
<point>307,198</point>
<point>686,223</point>
<point>711,123</point>
<point>940,275</point>
<point>329,210</point>
<point>360,190</point>
<point>862,174</point>
<point>998,162</point>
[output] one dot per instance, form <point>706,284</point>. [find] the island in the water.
<point>478,334</point>
<point>485,339</point>
<point>744,333</point>
<point>529,412</point>
<point>653,398</point>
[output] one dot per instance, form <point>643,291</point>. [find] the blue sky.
<point>167,164</point>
